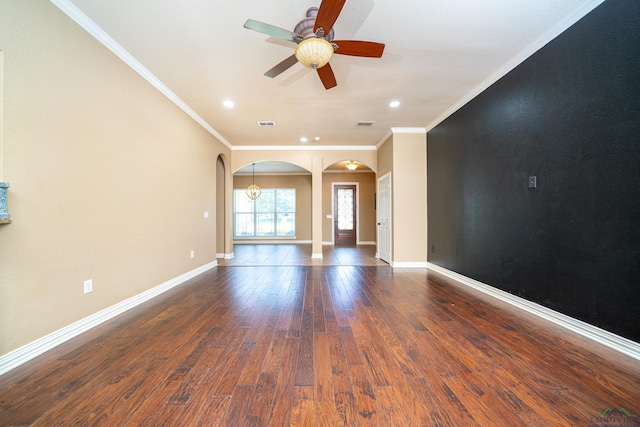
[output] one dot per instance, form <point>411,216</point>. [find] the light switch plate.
<point>533,181</point>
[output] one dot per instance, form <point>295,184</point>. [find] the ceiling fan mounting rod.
<point>305,28</point>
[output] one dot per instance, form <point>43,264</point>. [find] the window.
<point>273,214</point>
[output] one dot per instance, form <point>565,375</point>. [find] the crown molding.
<point>304,148</point>
<point>398,130</point>
<point>408,130</point>
<point>73,12</point>
<point>384,139</point>
<point>519,58</point>
<point>272,174</point>
<point>99,34</point>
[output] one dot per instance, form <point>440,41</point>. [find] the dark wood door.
<point>345,214</point>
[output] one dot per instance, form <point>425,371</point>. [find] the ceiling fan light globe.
<point>314,52</point>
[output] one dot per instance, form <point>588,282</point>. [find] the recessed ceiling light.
<point>316,139</point>
<point>394,104</point>
<point>303,139</point>
<point>228,103</point>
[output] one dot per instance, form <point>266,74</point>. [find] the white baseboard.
<point>29,351</point>
<point>606,338</point>
<point>271,242</point>
<point>327,243</point>
<point>229,256</point>
<point>316,256</point>
<point>219,255</point>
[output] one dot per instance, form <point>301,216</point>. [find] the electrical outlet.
<point>193,254</point>
<point>206,214</point>
<point>88,286</point>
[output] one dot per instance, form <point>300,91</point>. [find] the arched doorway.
<point>221,207</point>
<point>349,202</point>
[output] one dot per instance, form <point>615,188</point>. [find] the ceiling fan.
<point>315,45</point>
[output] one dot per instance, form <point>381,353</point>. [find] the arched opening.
<point>349,204</point>
<point>282,213</point>
<point>221,204</point>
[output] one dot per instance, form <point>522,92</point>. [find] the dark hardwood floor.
<point>300,254</point>
<point>321,346</point>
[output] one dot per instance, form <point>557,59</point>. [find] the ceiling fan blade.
<point>327,14</point>
<point>327,77</point>
<point>271,30</point>
<point>283,66</point>
<point>359,48</point>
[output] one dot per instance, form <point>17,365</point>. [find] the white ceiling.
<point>438,55</point>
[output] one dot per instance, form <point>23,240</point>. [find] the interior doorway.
<point>345,214</point>
<point>384,217</point>
<point>221,211</point>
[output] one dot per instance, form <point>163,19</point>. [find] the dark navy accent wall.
<point>569,115</point>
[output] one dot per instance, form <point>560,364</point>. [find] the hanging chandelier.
<point>351,165</point>
<point>253,191</point>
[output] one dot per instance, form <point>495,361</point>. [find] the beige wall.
<point>302,184</point>
<point>303,158</point>
<point>366,223</point>
<point>409,194</point>
<point>404,155</point>
<point>1,112</point>
<point>385,157</point>
<point>109,179</point>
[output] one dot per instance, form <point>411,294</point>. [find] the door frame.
<point>390,201</point>
<point>333,210</point>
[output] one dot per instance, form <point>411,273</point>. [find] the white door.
<point>384,218</point>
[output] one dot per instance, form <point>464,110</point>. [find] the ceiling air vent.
<point>267,123</point>
<point>365,123</point>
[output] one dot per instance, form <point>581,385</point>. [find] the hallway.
<point>300,254</point>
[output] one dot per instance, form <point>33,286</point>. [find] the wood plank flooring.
<point>321,346</point>
<point>300,254</point>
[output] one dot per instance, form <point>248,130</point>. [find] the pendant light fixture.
<point>351,165</point>
<point>253,191</point>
